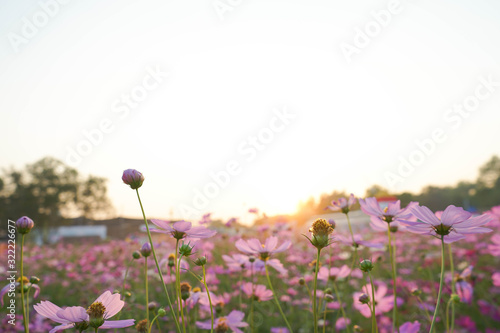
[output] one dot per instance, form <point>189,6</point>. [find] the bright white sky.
<point>352,120</point>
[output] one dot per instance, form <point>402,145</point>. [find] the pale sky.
<point>295,98</point>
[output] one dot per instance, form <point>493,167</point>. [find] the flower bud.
<point>185,290</point>
<point>152,306</point>
<point>251,259</point>
<point>136,254</point>
<point>393,229</point>
<point>302,281</point>
<point>24,225</point>
<point>201,261</point>
<point>366,265</point>
<point>186,250</point>
<point>328,291</point>
<point>416,292</point>
<point>329,298</point>
<point>455,298</point>
<point>127,294</point>
<point>146,250</point>
<point>133,178</point>
<point>171,260</point>
<point>34,280</point>
<point>364,298</point>
<point>332,222</point>
<point>162,312</point>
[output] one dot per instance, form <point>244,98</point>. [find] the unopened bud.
<point>162,312</point>
<point>146,250</point>
<point>152,306</point>
<point>136,255</point>
<point>186,250</point>
<point>366,265</point>
<point>251,259</point>
<point>201,261</point>
<point>302,281</point>
<point>455,298</point>
<point>24,225</point>
<point>364,298</point>
<point>133,178</point>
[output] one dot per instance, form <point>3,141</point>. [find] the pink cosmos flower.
<point>496,279</point>
<point>264,251</point>
<point>6,289</point>
<point>182,229</point>
<point>494,248</point>
<point>279,330</point>
<point>342,323</point>
<point>383,303</point>
<point>392,214</point>
<point>343,204</point>
<point>232,321</point>
<point>455,223</point>
<point>324,274</point>
<point>463,287</point>
<point>409,327</point>
<point>358,240</point>
<point>239,262</point>
<point>77,317</point>
<point>259,291</point>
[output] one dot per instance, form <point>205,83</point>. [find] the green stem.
<point>239,295</point>
<point>123,288</point>
<point>374,317</point>
<point>308,292</point>
<point>152,322</point>
<point>209,300</point>
<point>25,322</point>
<point>276,300</point>
<point>440,286</point>
<point>447,315</point>
<point>157,264</point>
<point>425,308</point>
<point>178,279</point>
<point>146,284</point>
<point>350,228</point>
<point>452,268</point>
<point>394,309</point>
<point>315,315</point>
<point>341,306</point>
<point>28,305</point>
<point>251,301</point>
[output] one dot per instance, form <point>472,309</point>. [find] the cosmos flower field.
<point>426,272</point>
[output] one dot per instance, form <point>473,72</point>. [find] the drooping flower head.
<point>24,225</point>
<point>133,178</point>
<point>182,229</point>
<point>464,287</point>
<point>454,224</point>
<point>103,308</point>
<point>343,204</point>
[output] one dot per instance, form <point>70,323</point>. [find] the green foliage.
<point>49,191</point>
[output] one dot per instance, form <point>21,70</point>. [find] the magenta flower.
<point>182,229</point>
<point>77,317</point>
<point>342,204</point>
<point>232,321</point>
<point>279,330</point>
<point>133,178</point>
<point>258,291</point>
<point>409,327</point>
<point>494,248</point>
<point>239,262</point>
<point>496,279</point>
<point>324,274</point>
<point>454,224</point>
<point>383,303</point>
<point>392,214</point>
